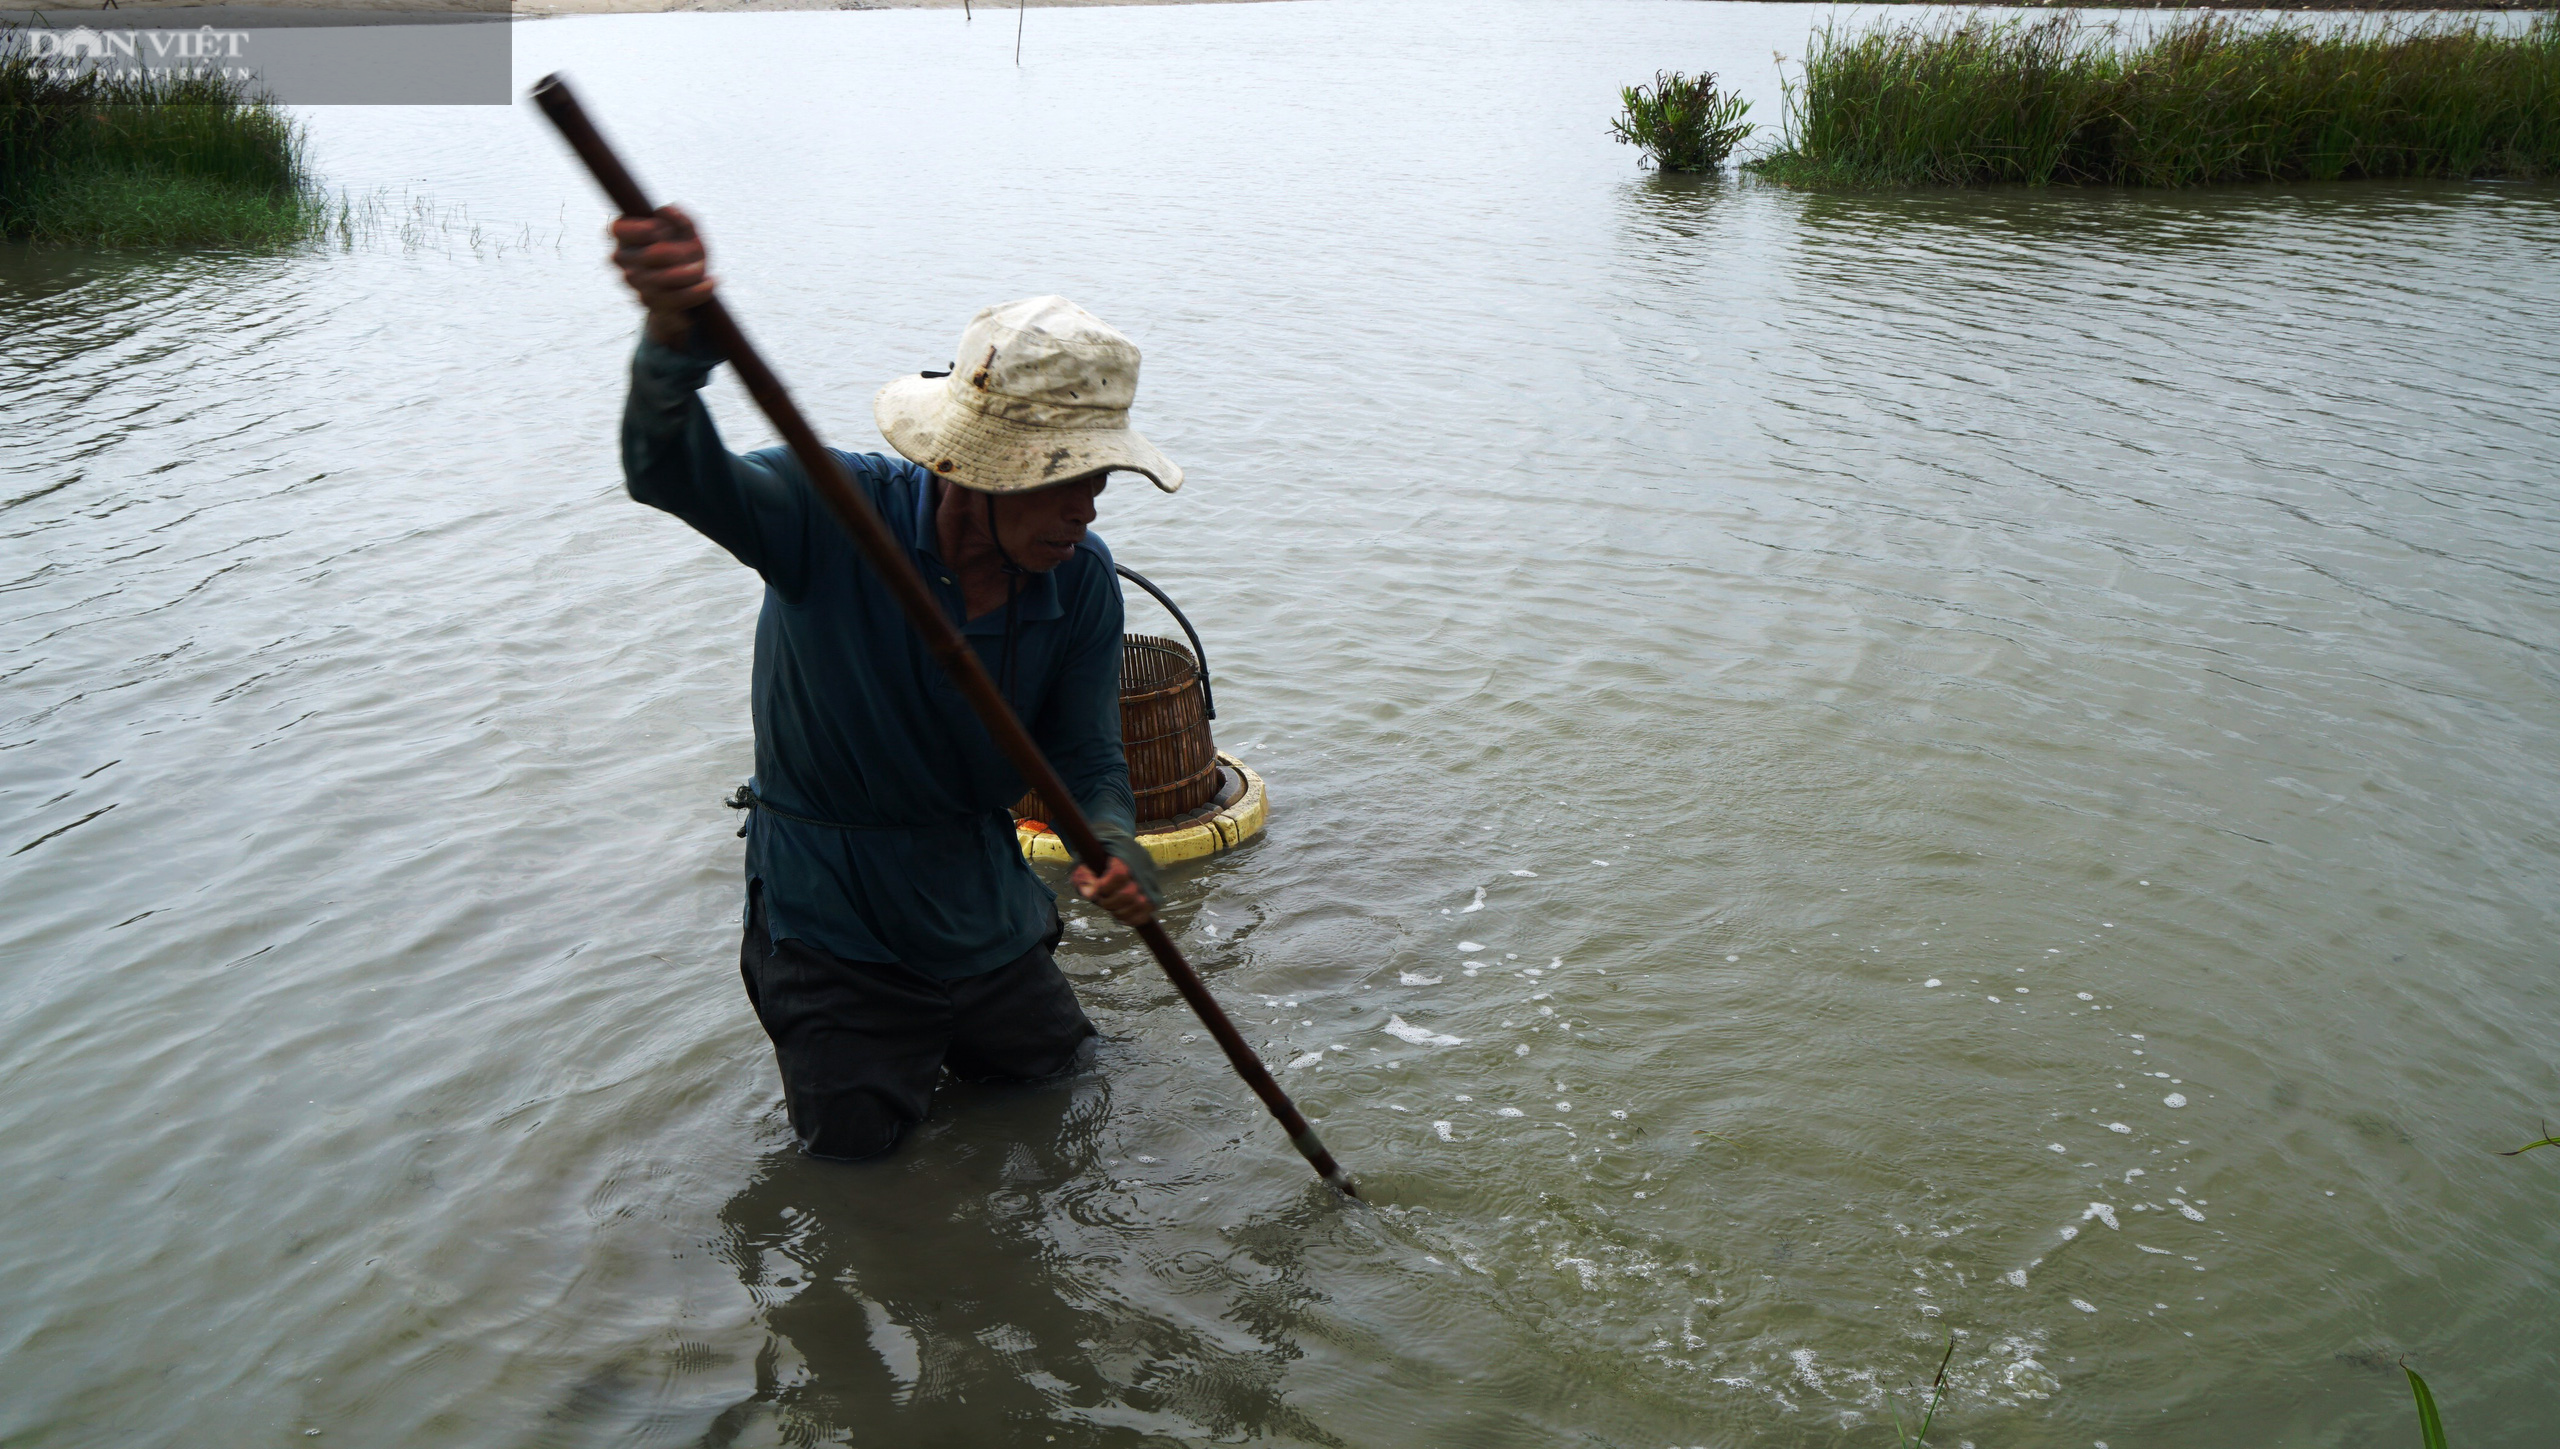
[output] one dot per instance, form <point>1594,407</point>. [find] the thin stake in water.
<point>855,514</point>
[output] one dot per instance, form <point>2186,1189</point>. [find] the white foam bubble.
<point>1526,874</point>
<point>2103,1212</point>
<point>1443,1129</point>
<point>1509,1112</point>
<point>2174,1099</point>
<point>2084,1305</point>
<point>1471,945</point>
<point>1933,981</point>
<point>1474,905</point>
<point>2015,1277</point>
<point>2119,1126</point>
<point>1415,978</point>
<point>1402,1030</point>
<point>1310,1059</point>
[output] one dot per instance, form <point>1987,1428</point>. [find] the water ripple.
<point>2132,614</point>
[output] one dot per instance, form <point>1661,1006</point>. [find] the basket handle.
<point>1208,701</point>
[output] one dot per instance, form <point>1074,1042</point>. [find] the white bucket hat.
<point>1039,394</point>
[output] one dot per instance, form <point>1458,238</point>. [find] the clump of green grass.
<point>2204,99</point>
<point>157,159</point>
<point>1682,122</point>
<point>145,209</point>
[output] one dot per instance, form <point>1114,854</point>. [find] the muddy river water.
<point>1974,765</point>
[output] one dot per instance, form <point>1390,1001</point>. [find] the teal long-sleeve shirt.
<point>857,726</point>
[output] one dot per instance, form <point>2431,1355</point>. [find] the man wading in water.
<point>892,926</point>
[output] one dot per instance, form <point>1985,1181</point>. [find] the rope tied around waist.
<point>745,798</point>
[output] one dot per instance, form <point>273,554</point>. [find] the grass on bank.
<point>1977,101</point>
<point>1681,121</point>
<point>148,160</point>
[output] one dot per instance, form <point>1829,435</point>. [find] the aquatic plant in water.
<point>1937,1395</point>
<point>2203,99</point>
<point>157,159</point>
<point>1682,122</point>
<point>2548,1140</point>
<point>2430,1423</point>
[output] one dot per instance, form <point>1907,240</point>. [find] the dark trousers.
<point>860,1043</point>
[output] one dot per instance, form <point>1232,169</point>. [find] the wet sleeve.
<point>755,505</point>
<point>1079,728</point>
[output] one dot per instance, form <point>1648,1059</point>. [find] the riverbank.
<point>541,9</point>
<point>301,11</point>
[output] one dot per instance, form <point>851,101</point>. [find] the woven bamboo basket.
<point>1164,731</point>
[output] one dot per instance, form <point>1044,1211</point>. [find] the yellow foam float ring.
<point>1236,816</point>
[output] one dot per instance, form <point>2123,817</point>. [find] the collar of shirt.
<point>1038,600</point>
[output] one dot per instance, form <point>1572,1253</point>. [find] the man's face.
<point>1041,529</point>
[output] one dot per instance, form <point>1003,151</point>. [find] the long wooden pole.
<point>852,510</point>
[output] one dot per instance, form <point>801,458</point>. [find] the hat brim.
<point>927,425</point>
